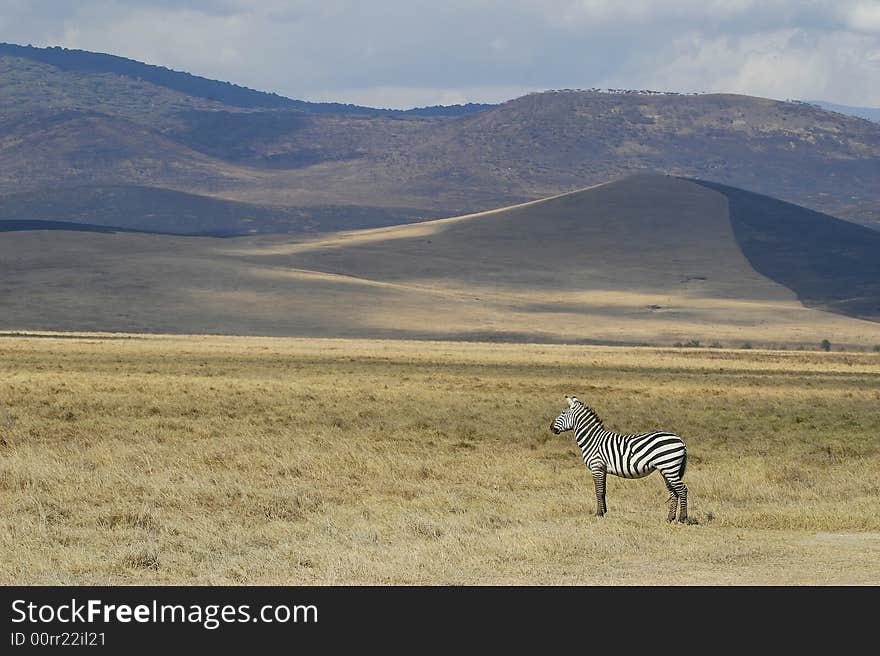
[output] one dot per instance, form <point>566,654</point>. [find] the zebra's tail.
<point>684,464</point>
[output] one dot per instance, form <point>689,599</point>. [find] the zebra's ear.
<point>571,400</point>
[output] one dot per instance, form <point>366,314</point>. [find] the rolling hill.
<point>78,120</point>
<point>646,259</point>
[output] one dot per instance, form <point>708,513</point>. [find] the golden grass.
<point>210,460</point>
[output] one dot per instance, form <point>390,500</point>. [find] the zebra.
<point>627,456</point>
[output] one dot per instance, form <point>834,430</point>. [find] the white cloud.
<point>783,64</point>
<point>864,17</point>
<point>412,52</point>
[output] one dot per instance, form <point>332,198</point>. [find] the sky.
<point>406,53</point>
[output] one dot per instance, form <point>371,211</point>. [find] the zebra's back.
<point>635,456</point>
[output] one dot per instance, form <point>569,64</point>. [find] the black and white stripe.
<point>628,456</point>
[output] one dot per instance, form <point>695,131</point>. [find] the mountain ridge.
<point>229,93</point>
<point>321,168</point>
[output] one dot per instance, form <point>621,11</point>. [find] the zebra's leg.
<point>599,480</point>
<point>672,501</point>
<point>679,489</point>
<point>683,501</point>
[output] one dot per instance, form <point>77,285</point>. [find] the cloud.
<point>410,52</point>
<point>785,64</point>
<point>863,17</point>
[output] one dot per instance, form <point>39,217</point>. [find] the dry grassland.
<point>210,460</point>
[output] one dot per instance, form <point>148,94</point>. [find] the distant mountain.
<point>647,259</point>
<point>867,113</point>
<point>83,61</point>
<point>448,110</point>
<point>73,120</point>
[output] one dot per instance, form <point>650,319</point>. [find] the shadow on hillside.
<point>829,263</point>
<point>20,225</point>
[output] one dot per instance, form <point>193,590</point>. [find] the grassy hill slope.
<point>648,259</point>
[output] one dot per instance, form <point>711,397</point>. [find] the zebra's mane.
<point>592,414</point>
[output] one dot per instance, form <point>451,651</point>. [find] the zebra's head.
<point>565,421</point>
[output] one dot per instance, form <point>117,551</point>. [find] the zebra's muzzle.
<point>553,429</point>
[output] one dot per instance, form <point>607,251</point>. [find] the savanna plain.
<point>156,459</point>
